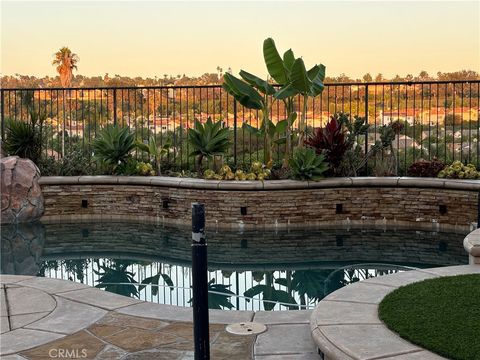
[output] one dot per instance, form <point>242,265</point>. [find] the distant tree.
<point>379,77</point>
<point>66,61</point>
<point>397,78</point>
<point>367,77</point>
<point>423,75</point>
<point>451,120</point>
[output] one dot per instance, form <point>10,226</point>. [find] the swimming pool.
<point>248,270</point>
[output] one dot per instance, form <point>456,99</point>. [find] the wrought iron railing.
<point>440,118</point>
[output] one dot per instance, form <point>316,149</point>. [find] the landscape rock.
<point>22,199</point>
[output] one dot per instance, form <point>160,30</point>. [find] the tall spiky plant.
<point>207,139</point>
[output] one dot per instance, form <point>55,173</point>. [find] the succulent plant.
<point>306,165</point>
<point>460,171</point>
<point>113,145</point>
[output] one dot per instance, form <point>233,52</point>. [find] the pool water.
<point>248,270</point>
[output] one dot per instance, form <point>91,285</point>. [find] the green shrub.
<point>306,165</point>
<point>76,162</point>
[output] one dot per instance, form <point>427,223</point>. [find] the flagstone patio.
<point>44,318</point>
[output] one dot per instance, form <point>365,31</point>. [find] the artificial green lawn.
<point>441,315</point>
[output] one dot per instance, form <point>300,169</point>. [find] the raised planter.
<point>420,202</point>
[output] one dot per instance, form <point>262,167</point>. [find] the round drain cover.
<point>246,328</point>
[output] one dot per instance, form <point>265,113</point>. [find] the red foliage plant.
<point>425,168</point>
<point>330,141</point>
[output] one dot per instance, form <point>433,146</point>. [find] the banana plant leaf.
<point>270,296</point>
<point>154,280</point>
<point>299,77</point>
<point>274,62</point>
<point>243,92</point>
<point>286,92</point>
<point>257,83</point>
<point>288,59</point>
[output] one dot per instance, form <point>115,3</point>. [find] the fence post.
<point>200,284</point>
<point>366,133</point>
<point>478,210</point>
<point>114,106</point>
<point>2,115</point>
<point>235,132</point>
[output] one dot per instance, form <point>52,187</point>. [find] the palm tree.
<point>66,61</point>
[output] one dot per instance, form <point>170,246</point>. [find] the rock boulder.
<point>22,199</point>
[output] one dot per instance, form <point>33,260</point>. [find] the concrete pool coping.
<point>192,183</point>
<point>345,324</point>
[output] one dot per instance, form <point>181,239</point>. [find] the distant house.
<point>402,115</point>
<point>403,141</point>
<point>434,116</point>
<point>465,113</point>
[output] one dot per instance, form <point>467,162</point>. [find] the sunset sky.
<point>153,38</point>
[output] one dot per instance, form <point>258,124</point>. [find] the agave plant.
<point>218,296</point>
<point>22,139</point>
<point>306,165</point>
<point>207,139</point>
<point>116,278</point>
<point>113,145</point>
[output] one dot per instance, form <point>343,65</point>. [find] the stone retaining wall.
<point>429,203</point>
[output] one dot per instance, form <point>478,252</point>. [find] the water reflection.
<point>250,271</point>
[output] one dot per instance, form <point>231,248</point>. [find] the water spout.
<point>241,226</point>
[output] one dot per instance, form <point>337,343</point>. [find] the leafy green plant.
<point>155,152</point>
<point>113,145</point>
<point>76,162</point>
<point>254,93</point>
<point>22,139</point>
<point>306,165</point>
<point>218,296</point>
<point>355,157</point>
<point>270,295</point>
<point>459,171</point>
<point>116,278</point>
<point>154,280</point>
<point>128,168</point>
<point>426,168</point>
<point>207,139</point>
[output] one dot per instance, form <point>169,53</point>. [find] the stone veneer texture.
<point>264,208</point>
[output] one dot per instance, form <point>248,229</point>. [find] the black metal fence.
<point>440,118</point>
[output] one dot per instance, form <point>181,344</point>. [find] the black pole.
<point>114,106</point>
<point>235,132</point>
<point>478,210</point>
<point>366,133</point>
<point>2,115</point>
<point>200,284</point>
